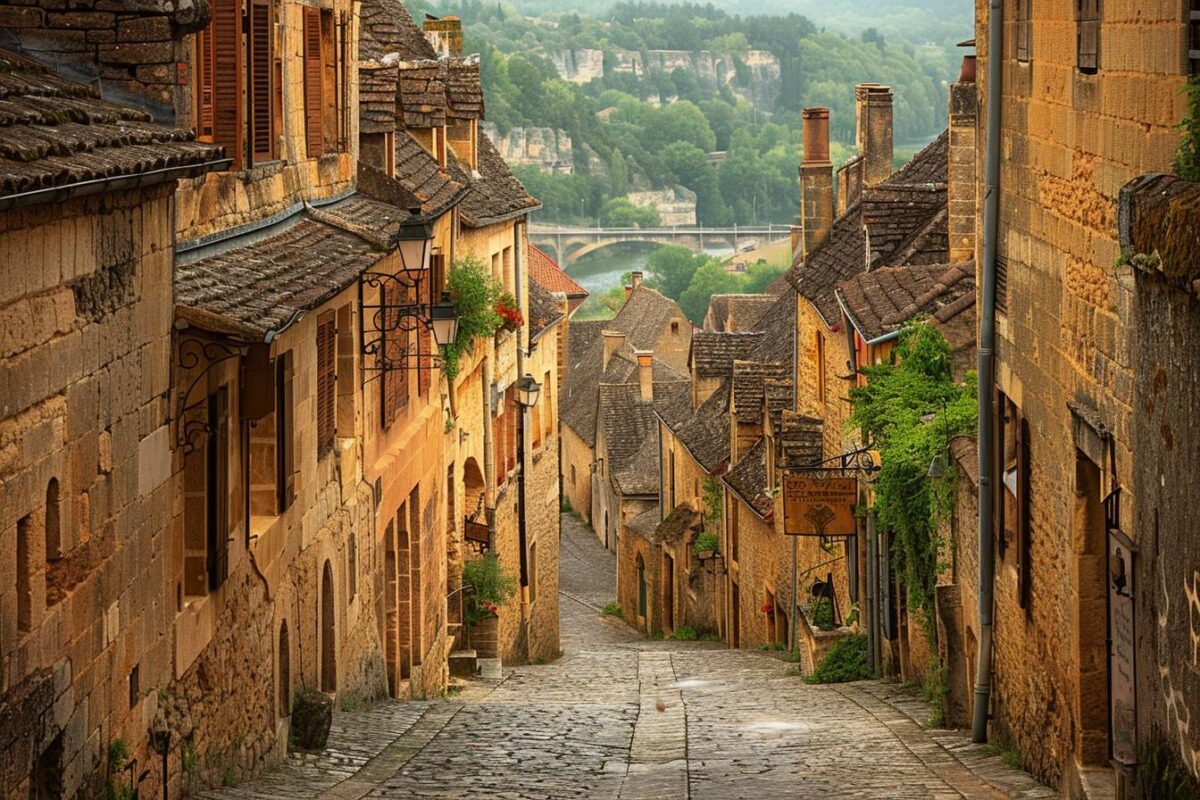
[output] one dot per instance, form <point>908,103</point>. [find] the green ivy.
<point>706,542</point>
<point>474,291</point>
<point>910,409</point>
<point>1187,155</point>
<point>712,496</point>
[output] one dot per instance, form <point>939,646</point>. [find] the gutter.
<point>141,180</point>
<point>986,369</point>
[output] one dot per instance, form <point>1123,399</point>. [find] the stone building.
<point>225,424</point>
<point>87,192</point>
<point>648,322</point>
<point>730,313</point>
<point>1090,100</point>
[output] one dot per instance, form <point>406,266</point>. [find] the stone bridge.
<point>566,244</point>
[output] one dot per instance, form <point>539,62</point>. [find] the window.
<point>24,576</point>
<point>1194,37</point>
<point>324,82</point>
<point>820,367</point>
<point>532,572</point>
<point>53,522</point>
<point>572,474</point>
<point>641,584</point>
<point>285,671</point>
<point>1012,508</point>
<point>1024,37</point>
<point>228,65</point>
<point>733,531</point>
<point>326,381</point>
<point>548,402</point>
<point>674,327</point>
<point>1088,35</point>
<point>216,490</point>
<point>285,447</point>
<point>1002,284</point>
<point>135,692</point>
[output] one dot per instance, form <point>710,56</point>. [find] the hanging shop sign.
<point>817,505</point>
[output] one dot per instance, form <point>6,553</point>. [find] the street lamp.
<point>527,391</point>
<point>443,318</point>
<point>413,240</point>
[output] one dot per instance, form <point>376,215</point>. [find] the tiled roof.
<point>377,98</point>
<point>422,93</point>
<point>736,312</point>
<point>799,440</point>
<point>748,479</point>
<point>713,353</point>
<point>642,319</point>
<point>902,214</point>
<point>496,194</point>
<point>420,174</point>
<point>388,28</point>
<point>644,523</point>
<point>543,310</point>
<point>630,432</point>
<point>464,90</point>
<point>544,271</point>
<point>706,433</point>
<point>748,380</point>
<point>57,133</point>
<point>880,302</point>
<point>778,329</point>
<point>681,520</point>
<point>267,283</point>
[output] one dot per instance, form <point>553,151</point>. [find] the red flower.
<point>768,608</point>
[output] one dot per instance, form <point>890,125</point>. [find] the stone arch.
<point>285,671</point>
<point>328,632</point>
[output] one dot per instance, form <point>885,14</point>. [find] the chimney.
<point>960,171</point>
<point>445,34</point>
<point>873,117</point>
<point>816,183</point>
<point>645,366</point>
<point>613,340</point>
<point>628,291</point>
<point>636,279</point>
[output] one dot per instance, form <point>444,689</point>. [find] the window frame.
<point>1023,40</point>
<point>1089,19</point>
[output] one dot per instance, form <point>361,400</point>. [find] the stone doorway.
<point>1091,615</point>
<point>328,632</point>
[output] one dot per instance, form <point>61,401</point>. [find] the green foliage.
<point>1187,155</point>
<point>934,690</point>
<point>707,542</point>
<point>613,609</point>
<point>711,278</point>
<point>846,660</point>
<point>1010,755</point>
<point>352,701</point>
<point>909,409</point>
<point>713,499</point>
<point>685,633</point>
<point>116,787</point>
<point>819,613</point>
<point>1161,773</point>
<point>474,291</point>
<point>492,584</point>
<point>227,777</point>
<point>620,213</point>
<point>190,760</point>
<point>564,505</point>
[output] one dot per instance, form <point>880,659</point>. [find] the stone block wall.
<point>577,460</point>
<point>1070,142</point>
<point>86,603</point>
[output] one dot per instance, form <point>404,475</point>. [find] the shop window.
<point>1088,19</point>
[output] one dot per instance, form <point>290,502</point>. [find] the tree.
<point>672,268</point>
<point>618,173</point>
<point>620,213</point>
<point>711,278</point>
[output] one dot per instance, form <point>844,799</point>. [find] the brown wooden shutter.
<point>395,349</point>
<point>1002,284</point>
<point>1024,537</point>
<point>262,67</point>
<point>326,381</point>
<point>1089,35</point>
<point>225,71</point>
<point>999,408</point>
<point>313,80</point>
<point>205,84</point>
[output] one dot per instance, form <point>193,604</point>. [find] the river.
<point>602,270</point>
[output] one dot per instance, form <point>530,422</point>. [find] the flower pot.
<point>485,637</point>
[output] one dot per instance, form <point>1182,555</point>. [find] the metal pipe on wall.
<point>986,366</point>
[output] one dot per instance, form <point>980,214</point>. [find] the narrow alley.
<point>621,717</point>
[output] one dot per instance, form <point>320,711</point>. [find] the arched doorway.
<point>285,671</point>
<point>328,639</point>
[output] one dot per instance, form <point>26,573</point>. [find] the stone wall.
<point>548,149</point>
<point>1071,141</point>
<point>85,326</point>
<point>577,460</point>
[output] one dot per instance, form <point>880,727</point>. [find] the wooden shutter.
<point>285,467</point>
<point>1002,284</point>
<point>1089,35</point>
<point>217,488</point>
<point>395,349</point>
<point>221,52</point>
<point>326,381</point>
<point>262,67</point>
<point>999,408</point>
<point>1024,567</point>
<point>313,79</point>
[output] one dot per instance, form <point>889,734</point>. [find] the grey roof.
<point>419,173</point>
<point>644,523</point>
<point>880,302</point>
<point>736,312</point>
<point>544,310</point>
<point>713,353</point>
<point>749,378</point>
<point>748,479</point>
<point>799,440</point>
<point>705,433</point>
<point>631,432</point>
<point>387,28</point>
<point>681,520</point>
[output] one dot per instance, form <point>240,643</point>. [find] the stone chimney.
<point>636,279</point>
<point>960,171</point>
<point>445,34</point>
<point>613,341</point>
<point>645,367</point>
<point>816,183</point>
<point>873,123</point>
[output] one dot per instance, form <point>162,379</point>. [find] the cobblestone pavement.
<point>623,718</point>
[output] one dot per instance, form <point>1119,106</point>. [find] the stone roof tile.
<point>713,353</point>
<point>388,28</point>
<point>736,312</point>
<point>748,479</point>
<point>496,194</point>
<point>879,303</point>
<point>544,310</point>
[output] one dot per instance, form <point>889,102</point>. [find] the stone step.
<point>463,664</point>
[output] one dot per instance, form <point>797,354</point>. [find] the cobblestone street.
<point>621,717</point>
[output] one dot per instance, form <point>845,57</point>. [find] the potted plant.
<point>492,586</point>
<point>510,314</point>
<point>706,545</point>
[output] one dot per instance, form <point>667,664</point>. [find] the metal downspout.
<point>522,432</point>
<point>986,367</point>
<point>489,463</point>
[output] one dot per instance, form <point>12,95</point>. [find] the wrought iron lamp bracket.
<point>379,320</point>
<point>193,351</point>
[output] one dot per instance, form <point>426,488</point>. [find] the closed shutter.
<point>225,71</point>
<point>395,350</point>
<point>1089,35</point>
<point>1002,284</point>
<point>1024,537</point>
<point>313,79</point>
<point>262,67</point>
<point>285,467</point>
<point>205,84</point>
<point>999,408</point>
<point>326,381</point>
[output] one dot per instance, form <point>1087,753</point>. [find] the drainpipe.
<point>986,366</point>
<point>522,338</point>
<point>489,464</point>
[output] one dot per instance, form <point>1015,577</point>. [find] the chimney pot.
<point>645,366</point>
<point>816,135</point>
<point>873,112</point>
<point>967,73</point>
<point>816,184</point>
<point>613,341</point>
<point>636,279</point>
<point>445,34</point>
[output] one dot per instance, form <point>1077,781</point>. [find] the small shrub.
<point>685,633</point>
<point>493,585</point>
<point>819,613</point>
<point>1162,775</point>
<point>1008,753</point>
<point>474,291</point>
<point>710,636</point>
<point>613,609</point>
<point>227,778</point>
<point>656,636</point>
<point>846,661</point>
<point>118,759</point>
<point>707,541</point>
<point>1187,155</point>
<point>565,505</point>
<point>190,761</point>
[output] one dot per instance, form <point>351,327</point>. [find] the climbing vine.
<point>1187,155</point>
<point>910,408</point>
<point>475,292</point>
<point>711,495</point>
